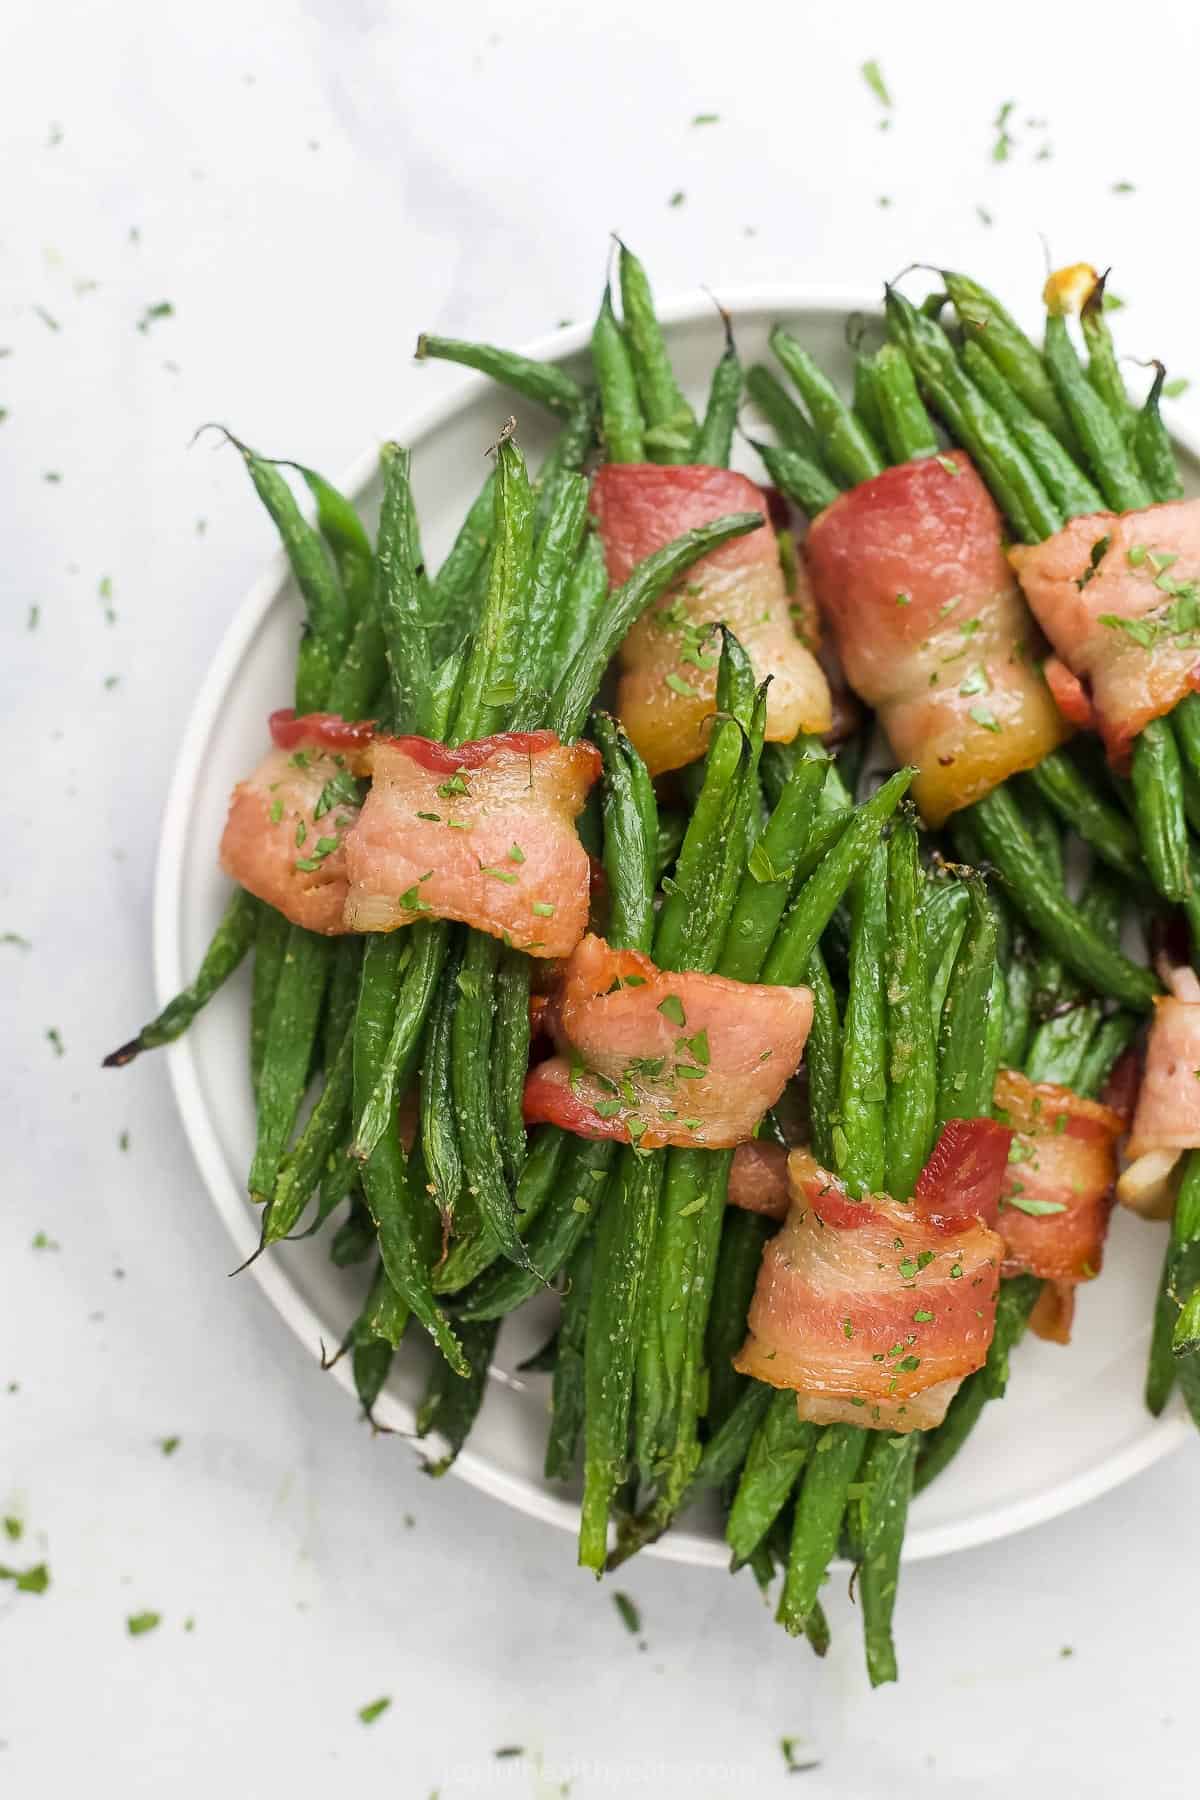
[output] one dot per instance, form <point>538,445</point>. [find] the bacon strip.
<point>483,832</point>
<point>931,629</point>
<point>1166,1120</point>
<point>655,1058</point>
<point>1064,1155</point>
<point>871,1311</point>
<point>1119,599</point>
<point>285,837</point>
<point>758,1180</point>
<point>667,687</point>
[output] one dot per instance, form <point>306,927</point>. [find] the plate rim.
<point>1160,1437</point>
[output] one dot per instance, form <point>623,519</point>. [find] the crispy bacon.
<point>1063,1156</point>
<point>655,1058</point>
<point>285,837</point>
<point>931,630</point>
<point>1118,598</point>
<point>1166,1120</point>
<point>868,1309</point>
<point>483,832</point>
<point>669,663</point>
<point>758,1179</point>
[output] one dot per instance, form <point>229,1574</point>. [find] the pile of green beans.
<point>760,868</point>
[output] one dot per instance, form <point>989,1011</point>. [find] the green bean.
<point>354,1239</point>
<point>356,682</point>
<point>399,595</point>
<point>867,409</point>
<point>824,1063</point>
<point>1159,809</point>
<point>346,540</point>
<point>587,591</point>
<point>714,435</point>
<point>911,1046</point>
<point>553,563</point>
<point>327,613</point>
<point>813,907</point>
<point>229,944</point>
<point>454,584</point>
<point>576,690</point>
<point>846,447</point>
<point>568,1399</point>
<point>861,1148</point>
<point>1112,1036</point>
<point>743,1235</point>
<point>820,1505</point>
<point>1153,447</point>
<point>622,1246</point>
<point>1181,1272</point>
<point>964,1090</point>
<point>1060,1044</point>
<point>287,1055</point>
<point>1013,1307</point>
<point>630,836</point>
<point>1104,371</point>
<point>270,942</point>
<point>728,1447</point>
<point>404,1216</point>
<point>986,324</point>
<point>439,1129</point>
<point>781,1447</point>
<point>472,1041</point>
<point>1065,482</point>
<point>1075,800</point>
<point>564,459</point>
<point>1109,461</point>
<point>977,426</point>
<point>491,679</point>
<point>622,424</point>
<point>557,1231</point>
<point>451,1404</point>
<point>686,916</point>
<point>545,383</point>
<point>790,425</point>
<point>1018,1009</point>
<point>1185,1339</point>
<point>418,958</point>
<point>771,866</point>
<point>907,428</point>
<point>1044,904</point>
<point>324,1130</point>
<point>888,1477</point>
<point>539,1183</point>
<point>670,421</point>
<point>510,1058</point>
<point>797,476</point>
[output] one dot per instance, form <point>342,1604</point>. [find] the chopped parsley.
<point>342,790</point>
<point>951,467</point>
<point>505,875</point>
<point>1002,148</point>
<point>672,1008</point>
<point>706,119</point>
<point>983,715</point>
<point>374,1709</point>
<point>516,854</point>
<point>169,1445</point>
<point>1035,1208</point>
<point>873,76</point>
<point>138,1624</point>
<point>543,909</point>
<point>922,1317</point>
<point>27,1581</point>
<point>975,681</point>
<point>903,599</point>
<point>455,785</point>
<point>630,1617</point>
<point>13,1529</point>
<point>1179,384</point>
<point>162,309</point>
<point>678,685</point>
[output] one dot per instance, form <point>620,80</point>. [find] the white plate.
<point>1073,1423</point>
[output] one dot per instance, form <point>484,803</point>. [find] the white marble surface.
<point>307,185</point>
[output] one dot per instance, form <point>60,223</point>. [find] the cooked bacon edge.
<point>869,1309</point>
<point>1064,1155</point>
<point>758,1180</point>
<point>483,832</point>
<point>1166,1119</point>
<point>276,845</point>
<point>655,1058</point>
<point>667,687</point>
<point>931,628</point>
<point>1117,597</point>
